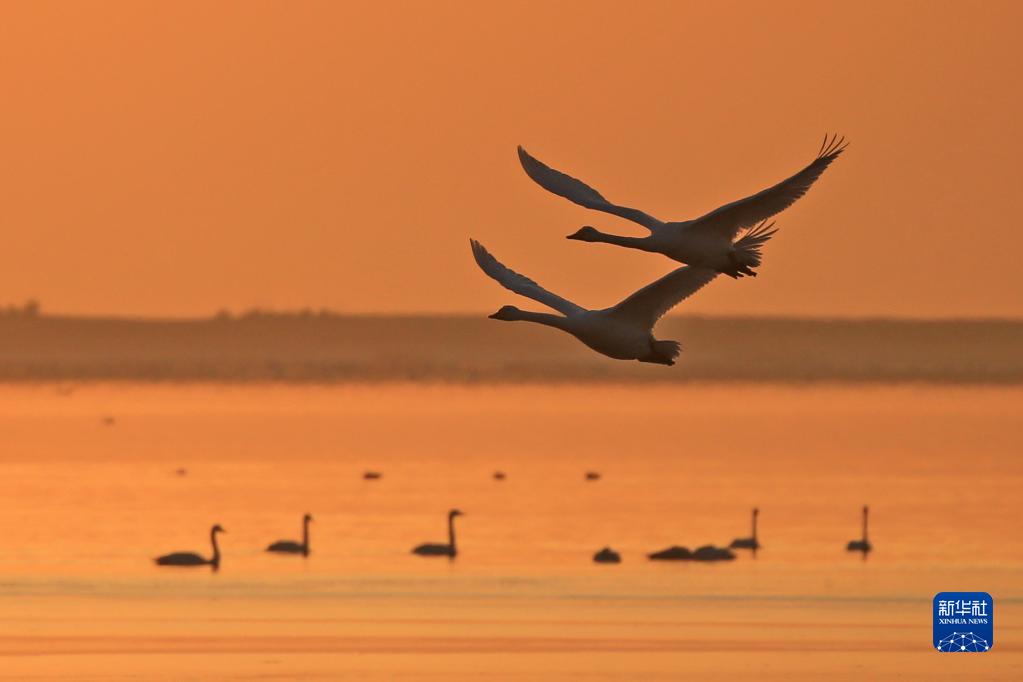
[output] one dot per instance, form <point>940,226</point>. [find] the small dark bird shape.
<point>607,556</point>
<point>751,542</point>
<point>439,549</point>
<point>592,476</point>
<point>673,553</point>
<point>193,559</point>
<point>863,544</point>
<point>712,553</point>
<point>372,475</point>
<point>292,547</point>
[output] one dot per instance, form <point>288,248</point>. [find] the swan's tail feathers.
<point>747,249</point>
<point>664,352</point>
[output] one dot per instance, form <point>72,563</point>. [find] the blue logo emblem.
<point>963,622</point>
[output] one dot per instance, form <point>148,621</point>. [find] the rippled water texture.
<point>91,492</point>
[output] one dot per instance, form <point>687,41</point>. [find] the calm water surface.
<point>87,504</point>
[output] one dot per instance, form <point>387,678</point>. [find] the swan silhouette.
<point>863,544</point>
<point>673,553</point>
<point>623,331</point>
<point>292,547</point>
<point>712,553</point>
<point>607,556</point>
<point>751,542</point>
<point>708,241</point>
<point>440,549</point>
<point>193,559</point>
<point>705,553</point>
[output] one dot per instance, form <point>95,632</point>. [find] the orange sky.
<point>175,158</point>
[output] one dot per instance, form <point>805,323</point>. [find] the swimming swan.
<point>623,331</point>
<point>673,553</point>
<point>292,547</point>
<point>607,556</point>
<point>438,549</point>
<point>751,542</point>
<point>862,545</point>
<point>193,559</point>
<point>712,553</point>
<point>705,553</point>
<point>708,241</point>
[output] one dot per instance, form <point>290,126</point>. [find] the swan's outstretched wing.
<point>520,284</point>
<point>579,192</point>
<point>732,218</point>
<point>647,305</point>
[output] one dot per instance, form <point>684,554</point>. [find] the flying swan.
<point>708,241</point>
<point>623,331</point>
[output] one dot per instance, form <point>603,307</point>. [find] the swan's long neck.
<point>641,243</point>
<point>215,559</point>
<point>548,319</point>
<point>755,513</point>
<point>451,533</point>
<point>305,534</point>
<point>865,511</point>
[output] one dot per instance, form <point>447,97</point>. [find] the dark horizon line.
<point>257,313</point>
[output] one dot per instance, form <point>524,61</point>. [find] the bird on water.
<point>751,542</point>
<point>448,549</point>
<point>607,556</point>
<point>673,553</point>
<point>292,547</point>
<point>705,553</point>
<point>192,558</point>
<point>863,544</point>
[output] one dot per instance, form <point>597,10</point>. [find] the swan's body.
<point>712,553</point>
<point>193,559</point>
<point>607,556</point>
<point>441,549</point>
<point>623,331</point>
<point>863,544</point>
<point>751,542</point>
<point>708,241</point>
<point>705,553</point>
<point>292,547</point>
<point>673,553</point>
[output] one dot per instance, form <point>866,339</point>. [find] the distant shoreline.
<point>310,313</point>
<point>315,347</point>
